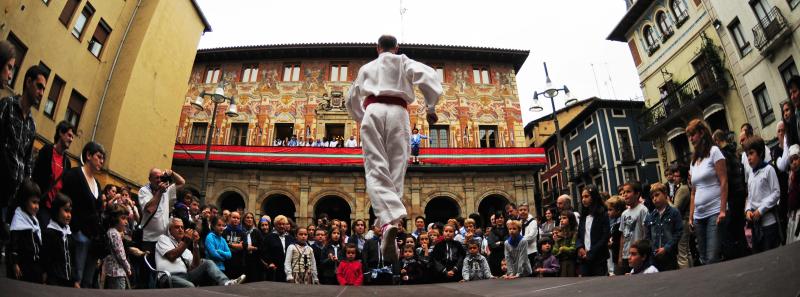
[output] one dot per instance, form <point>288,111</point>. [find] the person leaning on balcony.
<point>709,194</point>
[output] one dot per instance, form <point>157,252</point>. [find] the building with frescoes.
<point>474,160</point>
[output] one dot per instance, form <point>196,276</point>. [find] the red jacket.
<point>350,273</point>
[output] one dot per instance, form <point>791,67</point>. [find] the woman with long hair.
<point>593,233</point>
<point>709,193</point>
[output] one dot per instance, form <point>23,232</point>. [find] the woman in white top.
<point>709,191</point>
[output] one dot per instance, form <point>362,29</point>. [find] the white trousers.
<point>385,134</point>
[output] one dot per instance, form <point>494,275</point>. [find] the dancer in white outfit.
<point>378,99</point>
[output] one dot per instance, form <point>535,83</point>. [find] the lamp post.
<point>550,93</point>
<point>217,97</point>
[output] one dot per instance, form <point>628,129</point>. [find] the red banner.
<point>353,156</point>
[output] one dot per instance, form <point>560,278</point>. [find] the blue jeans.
<point>85,263</point>
<point>707,239</point>
<point>207,270</point>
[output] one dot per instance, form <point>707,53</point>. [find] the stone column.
<point>302,213</point>
<point>414,183</point>
<point>469,193</point>
<point>252,194</point>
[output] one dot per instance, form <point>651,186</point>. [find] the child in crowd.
<point>330,256</point>
<point>546,264</point>
<point>26,236</point>
<point>425,248</point>
<point>516,252</point>
<point>116,268</point>
<point>217,249</point>
<point>475,266</point>
<point>763,192</point>
<point>564,236</point>
<point>615,206</point>
<point>411,269</point>
<point>349,272</point>
<point>663,228</point>
<point>470,233</point>
<point>234,236</point>
<point>631,223</point>
<point>299,265</point>
<point>640,260</point>
<point>448,256</point>
<point>58,245</point>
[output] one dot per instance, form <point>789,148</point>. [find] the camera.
<point>167,178</point>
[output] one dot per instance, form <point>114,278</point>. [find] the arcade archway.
<point>278,204</point>
<point>334,206</point>
<point>440,209</point>
<point>231,201</point>
<point>490,205</point>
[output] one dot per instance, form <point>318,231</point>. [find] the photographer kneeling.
<point>178,253</point>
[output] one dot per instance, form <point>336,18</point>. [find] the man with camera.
<point>154,199</point>
<point>179,254</point>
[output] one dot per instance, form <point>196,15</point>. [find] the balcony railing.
<point>681,19</point>
<point>770,30</point>
<point>585,168</point>
<point>682,99</point>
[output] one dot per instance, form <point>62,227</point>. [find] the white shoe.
<point>236,281</point>
<point>389,243</point>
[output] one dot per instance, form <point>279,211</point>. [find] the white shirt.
<point>158,225</point>
<point>165,244</point>
<point>649,270</point>
<point>706,183</point>
<point>763,193</point>
<point>530,234</point>
<point>587,233</point>
<point>393,75</point>
<point>350,143</point>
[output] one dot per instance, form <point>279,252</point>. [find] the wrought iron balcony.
<point>585,168</point>
<point>770,31</point>
<point>680,100</point>
<point>681,19</point>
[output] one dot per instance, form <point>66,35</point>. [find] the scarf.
<point>514,240</point>
<point>65,231</point>
<point>760,166</point>
<point>24,221</point>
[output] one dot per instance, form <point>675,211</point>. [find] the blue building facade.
<point>601,146</point>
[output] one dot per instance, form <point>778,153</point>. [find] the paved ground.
<point>774,273</point>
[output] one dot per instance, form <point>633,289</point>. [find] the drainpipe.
<point>114,66</point>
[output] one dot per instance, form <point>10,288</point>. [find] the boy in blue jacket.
<point>216,247</point>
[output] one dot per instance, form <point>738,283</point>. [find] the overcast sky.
<point>567,34</point>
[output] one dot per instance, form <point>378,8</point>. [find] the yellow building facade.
<point>115,69</point>
<point>683,73</point>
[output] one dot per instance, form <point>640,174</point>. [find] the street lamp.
<point>550,93</point>
<point>217,97</point>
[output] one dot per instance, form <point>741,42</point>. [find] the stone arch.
<point>232,200</point>
<point>440,208</point>
<point>329,192</point>
<point>275,196</point>
<point>455,197</point>
<point>491,192</point>
<point>278,191</point>
<point>218,194</point>
<point>334,206</point>
<point>490,204</point>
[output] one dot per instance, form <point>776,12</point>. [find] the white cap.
<point>794,150</point>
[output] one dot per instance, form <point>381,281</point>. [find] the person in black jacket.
<point>378,270</point>
<point>275,245</point>
<point>51,163</point>
<point>84,190</point>
<point>592,257</point>
<point>331,254</point>
<point>58,248</point>
<point>496,240</point>
<point>253,243</point>
<point>732,239</point>
<point>26,236</point>
<point>448,256</point>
